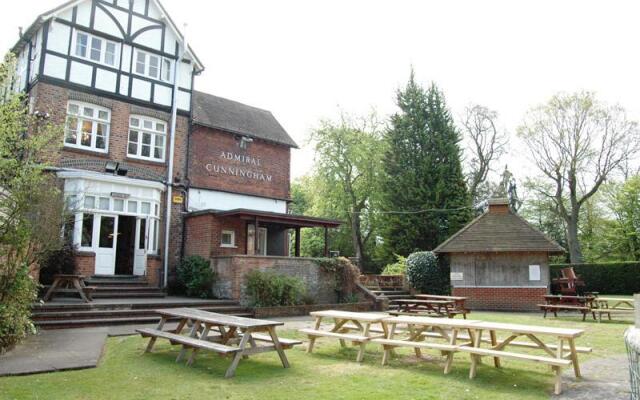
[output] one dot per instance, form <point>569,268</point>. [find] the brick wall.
<point>501,298</point>
<point>85,263</point>
<point>232,276</point>
<point>202,236</point>
<point>53,100</point>
<point>207,146</point>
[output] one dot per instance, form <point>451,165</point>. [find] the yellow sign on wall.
<point>177,199</point>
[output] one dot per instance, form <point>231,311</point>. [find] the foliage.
<point>30,208</point>
<point>57,261</point>
<point>577,142</point>
<point>624,232</point>
<point>15,308</point>
<point>397,268</point>
<point>423,190</point>
<point>268,289</point>
<point>344,272</point>
<point>426,274</point>
<point>609,278</point>
<point>196,276</point>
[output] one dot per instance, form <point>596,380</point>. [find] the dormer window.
<point>95,49</point>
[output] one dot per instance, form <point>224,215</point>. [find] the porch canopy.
<point>286,221</point>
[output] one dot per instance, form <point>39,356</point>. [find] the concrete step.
<point>138,294</point>
<point>380,292</point>
<point>134,304</point>
<point>84,323</point>
<point>116,282</point>
<point>40,316</point>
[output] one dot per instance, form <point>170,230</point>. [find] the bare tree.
<point>577,142</point>
<point>486,145</point>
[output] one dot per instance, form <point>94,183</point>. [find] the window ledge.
<point>74,149</point>
<point>145,161</point>
<point>228,246</point>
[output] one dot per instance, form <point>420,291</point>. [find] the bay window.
<point>87,127</point>
<point>147,138</point>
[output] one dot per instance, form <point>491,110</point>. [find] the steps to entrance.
<point>130,311</point>
<point>118,287</point>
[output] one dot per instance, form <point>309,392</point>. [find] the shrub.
<point>607,278</point>
<point>268,289</point>
<point>426,274</point>
<point>196,276</point>
<point>61,261</point>
<point>397,268</point>
<point>345,274</point>
<point>15,308</point>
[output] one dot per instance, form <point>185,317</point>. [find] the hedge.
<point>606,278</point>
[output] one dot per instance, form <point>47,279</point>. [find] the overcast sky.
<point>306,60</point>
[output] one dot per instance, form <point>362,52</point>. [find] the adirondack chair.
<point>568,283</point>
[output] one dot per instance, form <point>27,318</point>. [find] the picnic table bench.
<point>219,333</point>
<point>611,305</point>
<point>555,303</point>
<point>70,283</point>
<point>345,323</point>
<point>425,307</point>
<point>459,303</point>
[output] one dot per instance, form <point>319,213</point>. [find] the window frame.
<point>95,121</point>
<point>141,131</point>
<point>146,66</point>
<point>88,49</point>
<point>232,233</point>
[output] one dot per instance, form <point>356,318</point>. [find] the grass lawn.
<point>330,373</point>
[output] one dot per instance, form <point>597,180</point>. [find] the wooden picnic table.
<point>555,303</point>
<point>219,333</point>
<point>425,306</point>
<point>613,305</point>
<point>69,283</point>
<point>347,326</point>
<point>467,336</point>
<point>459,301</point>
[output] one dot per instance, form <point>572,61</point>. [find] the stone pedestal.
<point>636,305</point>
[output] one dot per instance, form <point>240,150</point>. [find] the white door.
<point>140,255</point>
<point>262,241</point>
<point>106,251</point>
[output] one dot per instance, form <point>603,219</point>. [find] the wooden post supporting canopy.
<point>326,241</point>
<point>297,251</point>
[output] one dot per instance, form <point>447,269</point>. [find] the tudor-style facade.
<point>111,72</point>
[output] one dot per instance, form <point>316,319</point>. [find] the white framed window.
<point>228,238</point>
<point>153,66</point>
<point>147,138</point>
<point>87,127</point>
<point>96,49</point>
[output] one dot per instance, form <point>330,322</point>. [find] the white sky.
<point>305,60</point>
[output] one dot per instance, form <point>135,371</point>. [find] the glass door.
<point>106,250</point>
<point>142,237</point>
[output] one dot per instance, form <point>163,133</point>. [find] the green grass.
<point>125,372</point>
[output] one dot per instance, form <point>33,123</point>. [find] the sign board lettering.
<point>239,165</point>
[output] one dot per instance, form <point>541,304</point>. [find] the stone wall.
<point>233,270</point>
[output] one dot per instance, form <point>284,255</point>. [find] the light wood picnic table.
<point>346,326</point>
<point>219,332</point>
<point>459,301</point>
<point>557,343</point>
<point>69,283</point>
<point>613,305</point>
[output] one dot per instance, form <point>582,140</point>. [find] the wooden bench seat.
<point>187,341</point>
<point>614,310</point>
<point>345,336</point>
<point>85,289</point>
<point>563,307</point>
<point>286,343</point>
<point>406,343</point>
<point>556,362</point>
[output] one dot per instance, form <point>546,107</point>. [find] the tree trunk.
<point>575,251</point>
<point>356,237</point>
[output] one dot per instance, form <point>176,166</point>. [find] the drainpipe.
<point>172,140</point>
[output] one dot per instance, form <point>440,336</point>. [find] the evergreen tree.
<point>422,171</point>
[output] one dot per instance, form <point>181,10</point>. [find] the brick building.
<point>500,261</point>
<point>144,153</point>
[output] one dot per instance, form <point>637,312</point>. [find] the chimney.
<point>499,206</point>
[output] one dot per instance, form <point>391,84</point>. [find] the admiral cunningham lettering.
<point>247,167</point>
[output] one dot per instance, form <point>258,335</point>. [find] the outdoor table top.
<point>367,317</point>
<point>217,319</point>
<point>442,322</point>
<point>437,296</point>
<point>68,276</point>
<point>422,301</point>
<point>615,299</point>
<point>533,329</point>
<point>560,296</point>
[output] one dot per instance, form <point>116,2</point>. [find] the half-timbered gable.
<point>124,49</point>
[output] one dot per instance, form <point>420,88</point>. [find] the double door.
<point>114,228</point>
